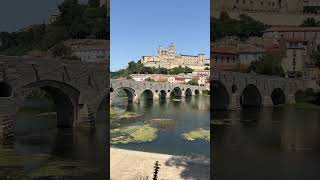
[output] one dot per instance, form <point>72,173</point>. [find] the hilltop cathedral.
<point>168,58</point>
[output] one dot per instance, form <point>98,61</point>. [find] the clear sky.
<point>138,27</point>
<point>17,14</point>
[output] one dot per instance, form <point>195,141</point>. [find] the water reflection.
<point>67,153</point>
<point>277,143</point>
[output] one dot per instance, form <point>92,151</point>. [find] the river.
<point>188,114</point>
<point>42,151</point>
<point>269,143</point>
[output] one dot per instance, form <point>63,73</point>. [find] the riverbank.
<point>130,165</point>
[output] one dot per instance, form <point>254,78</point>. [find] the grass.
<point>199,134</point>
<point>133,134</point>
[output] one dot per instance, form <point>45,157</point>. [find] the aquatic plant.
<point>199,134</point>
<point>133,134</point>
<point>62,168</point>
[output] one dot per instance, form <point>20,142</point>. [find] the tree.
<point>60,50</point>
<point>193,82</point>
<point>267,65</point>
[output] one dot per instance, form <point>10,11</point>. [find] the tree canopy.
<point>242,28</point>
<point>76,21</point>
<point>267,65</point>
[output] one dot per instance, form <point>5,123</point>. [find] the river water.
<point>189,113</point>
<point>269,143</point>
<point>41,149</point>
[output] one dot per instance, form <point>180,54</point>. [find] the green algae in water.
<point>199,134</point>
<point>12,166</point>
<point>62,168</point>
<point>133,134</point>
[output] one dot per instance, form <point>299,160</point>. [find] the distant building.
<point>53,18</point>
<point>168,58</point>
<point>181,79</point>
<point>225,58</point>
<point>89,50</point>
<point>139,77</point>
<point>308,34</point>
<point>296,57</point>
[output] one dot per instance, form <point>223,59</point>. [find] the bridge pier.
<point>267,101</point>
<point>291,99</point>
<point>235,102</point>
<point>136,99</point>
<point>156,96</point>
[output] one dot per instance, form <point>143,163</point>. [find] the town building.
<point>296,57</point>
<point>180,79</point>
<point>225,58</point>
<point>289,6</point>
<point>309,34</point>
<point>89,50</point>
<point>139,77</point>
<point>169,58</point>
<point>235,57</point>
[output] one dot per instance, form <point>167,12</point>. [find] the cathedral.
<point>282,6</point>
<point>169,58</point>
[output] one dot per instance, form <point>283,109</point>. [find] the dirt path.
<point>132,165</point>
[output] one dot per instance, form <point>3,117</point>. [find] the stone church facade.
<point>169,58</point>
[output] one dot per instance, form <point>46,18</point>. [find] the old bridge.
<point>232,90</point>
<point>137,91</point>
<point>77,89</point>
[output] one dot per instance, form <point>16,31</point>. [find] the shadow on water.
<point>43,151</point>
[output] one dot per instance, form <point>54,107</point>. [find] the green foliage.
<point>180,70</point>
<point>267,65</point>
<point>242,28</point>
<point>60,50</point>
<point>76,21</point>
<point>138,68</point>
<point>193,82</point>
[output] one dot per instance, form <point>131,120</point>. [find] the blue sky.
<point>138,27</point>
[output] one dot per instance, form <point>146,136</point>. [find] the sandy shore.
<point>131,165</point>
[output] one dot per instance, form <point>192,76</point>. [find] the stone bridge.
<point>232,90</point>
<point>77,89</point>
<point>152,90</point>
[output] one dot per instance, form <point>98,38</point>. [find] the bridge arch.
<point>162,94</point>
<point>64,96</point>
<point>196,92</point>
<point>219,96</point>
<point>5,89</point>
<point>188,92</point>
<point>251,97</point>
<point>177,92</point>
<point>129,92</point>
<point>146,95</point>
<point>278,96</point>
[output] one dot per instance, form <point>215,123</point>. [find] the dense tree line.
<point>138,68</point>
<point>267,65</point>
<point>76,21</point>
<point>242,28</point>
